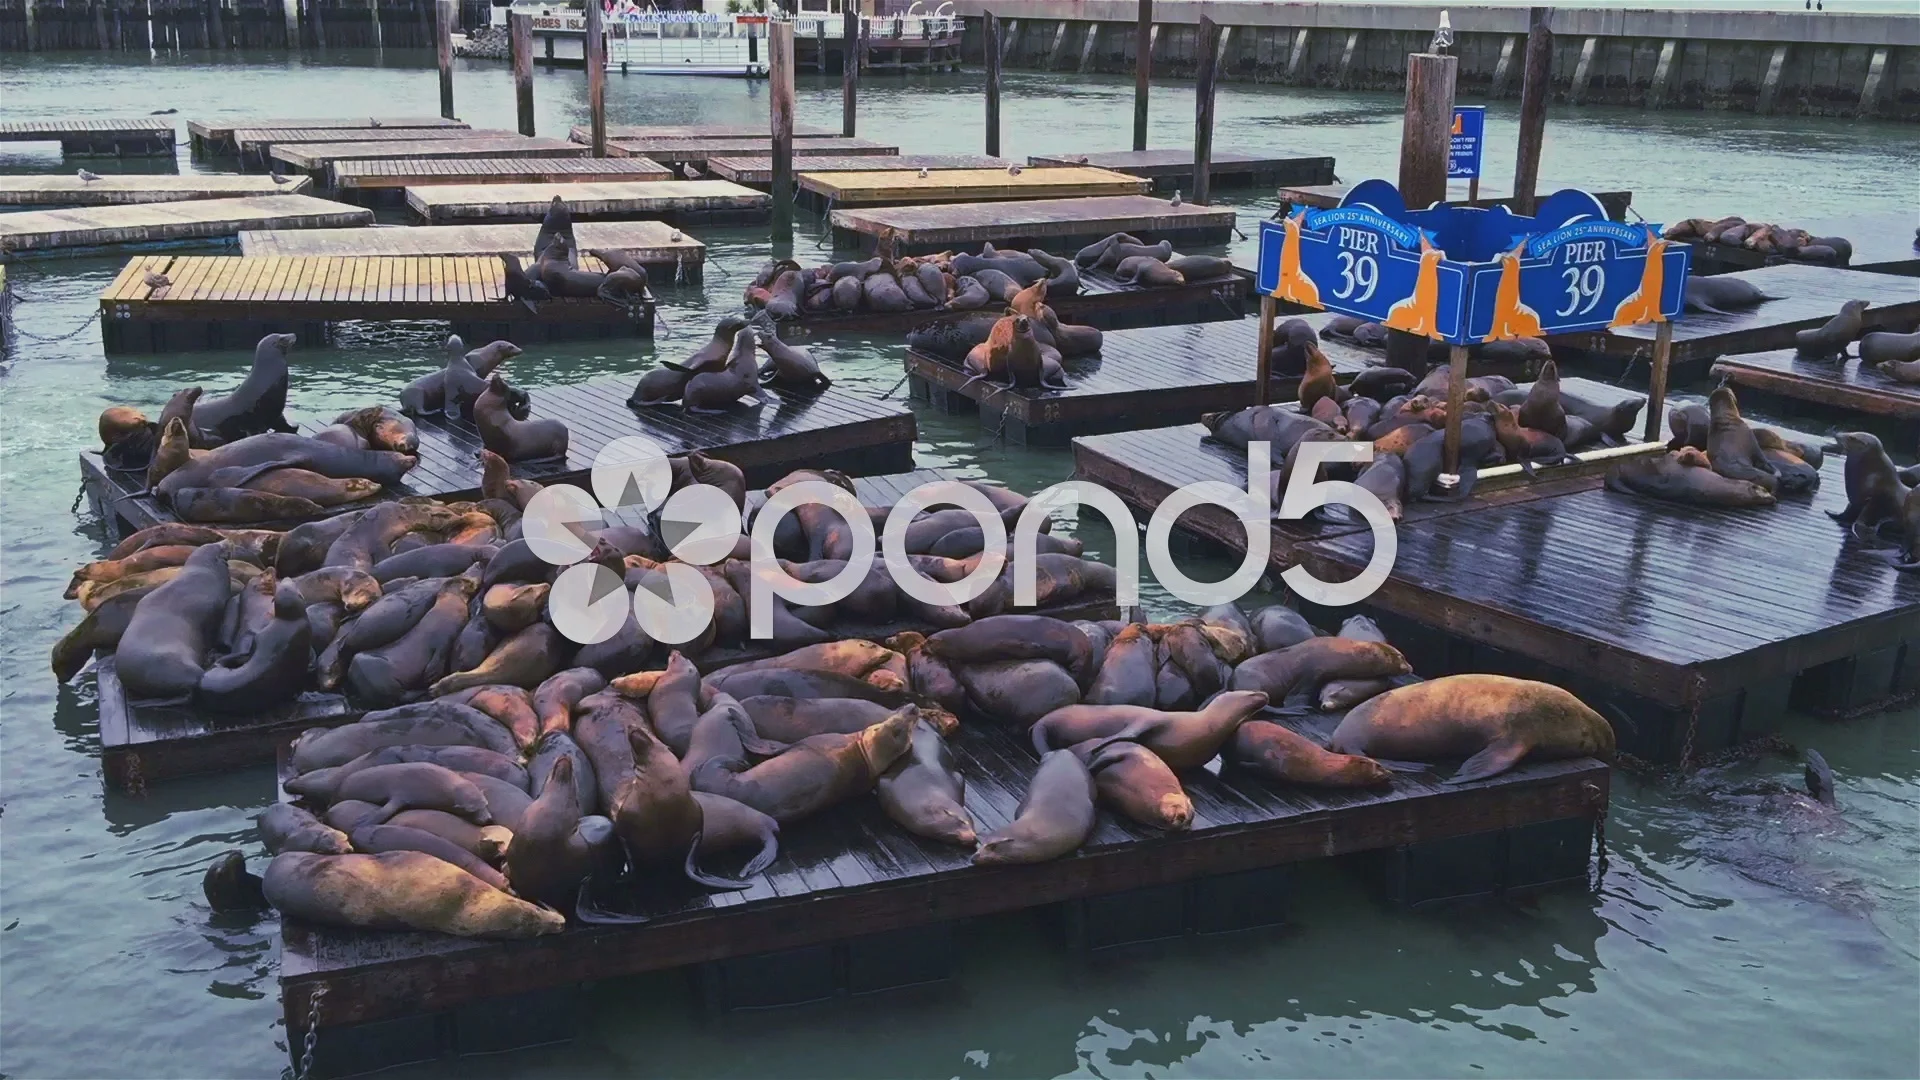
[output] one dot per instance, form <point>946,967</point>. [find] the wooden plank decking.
<point>1323,196</point>
<point>41,231</point>
<point>392,174</point>
<point>757,170</point>
<point>67,189</point>
<point>1048,223</point>
<point>899,188</point>
<point>682,202</point>
<point>697,151</point>
<point>312,157</point>
<point>1168,169</point>
<point>1809,296</point>
<point>1825,387</point>
<point>652,243</point>
<point>95,135</point>
<point>581,133</point>
<point>255,140</point>
<point>215,137</point>
<point>216,301</point>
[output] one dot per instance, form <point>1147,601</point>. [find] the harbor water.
<point>1735,931</point>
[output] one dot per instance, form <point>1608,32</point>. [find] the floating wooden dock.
<point>366,180</point>
<point>125,189</point>
<point>820,192</point>
<point>679,202</point>
<point>696,151</point>
<point>854,904</point>
<point>316,157</point>
<point>255,141</point>
<point>757,171</point>
<point>33,232</point>
<point>1326,196</point>
<point>1147,377</point>
<point>582,133</point>
<point>100,137</point>
<point>231,301</point>
<point>1170,169</point>
<point>1882,244</point>
<point>1833,390</point>
<point>1045,223</point>
<point>1809,296</point>
<point>1601,592</point>
<point>214,138</point>
<point>652,243</point>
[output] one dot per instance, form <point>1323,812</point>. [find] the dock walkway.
<point>1054,224</point>
<point>125,189</point>
<point>695,152</point>
<point>214,138</point>
<point>822,191</point>
<point>679,202</point>
<point>651,243</point>
<point>757,170</point>
<point>1170,169</point>
<point>317,157</point>
<point>96,136</point>
<point>39,232</point>
<point>392,176</point>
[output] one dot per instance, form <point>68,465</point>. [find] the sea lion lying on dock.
<point>1492,721</point>
<point>400,890</point>
<point>1684,476</point>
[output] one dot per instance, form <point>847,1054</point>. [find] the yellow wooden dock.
<point>680,202</point>
<point>67,189</point>
<point>395,174</point>
<point>1055,224</point>
<point>901,188</point>
<point>41,231</point>
<point>651,243</point>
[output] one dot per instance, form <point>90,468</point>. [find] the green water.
<point>1732,935</point>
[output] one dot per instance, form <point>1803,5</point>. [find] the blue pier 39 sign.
<point>1466,275</point>
<point>1466,142</point>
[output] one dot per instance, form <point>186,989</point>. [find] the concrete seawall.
<point>1813,63</point>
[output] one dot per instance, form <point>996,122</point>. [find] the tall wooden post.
<point>1533,107</point>
<point>1209,46</point>
<point>520,45</point>
<point>1263,368</point>
<point>289,11</point>
<point>1428,128</point>
<point>1456,405</point>
<point>1657,385</point>
<point>780,97</point>
<point>850,61</point>
<point>1142,71</point>
<point>444,14</point>
<point>596,52</point>
<point>991,23</point>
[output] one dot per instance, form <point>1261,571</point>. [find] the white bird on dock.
<point>675,237</point>
<point>1013,170</point>
<point>1442,37</point>
<point>1176,197</point>
<point>157,281</point>
<point>281,179</point>
<point>87,177</point>
<point>372,122</point>
<point>923,174</point>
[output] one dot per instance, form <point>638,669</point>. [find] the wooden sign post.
<point>1428,129</point>
<point>850,63</point>
<point>1533,107</point>
<point>1209,45</point>
<point>1142,72</point>
<point>1657,385</point>
<point>520,46</point>
<point>991,24</point>
<point>444,14</point>
<point>597,77</point>
<point>1263,367</point>
<point>780,98</point>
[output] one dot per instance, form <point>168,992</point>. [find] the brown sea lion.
<point>1053,819</point>
<point>373,839</point>
<point>1281,753</point>
<point>1684,476</point>
<point>170,452</point>
<point>511,607</point>
<point>1017,637</point>
<point>181,405</point>
<point>286,827</point>
<point>139,562</point>
<point>814,773</point>
<point>548,857</point>
<point>414,785</point>
<point>426,723</point>
<point>1875,492</point>
<point>1524,445</point>
<point>1313,662</point>
<point>279,450</point>
<point>1898,355</point>
<point>1542,410</point>
<point>524,659</point>
<point>1731,445</point>
<point>404,667</point>
<point>161,656</point>
<point>174,534</point>
<point>1136,783</point>
<point>506,801</point>
<point>1830,341</point>
<point>1184,740</point>
<point>400,890</point>
<point>1090,255</point>
<point>1147,270</point>
<point>1200,267</point>
<point>924,793</point>
<point>509,435</point>
<point>382,428</point>
<point>241,506</point>
<point>296,484</point>
<point>275,668</point>
<point>1127,672</point>
<point>1122,251</point>
<point>511,706</point>
<point>716,391</point>
<point>653,809</point>
<point>259,403</point>
<point>555,698</point>
<point>1318,383</point>
<point>1492,721</point>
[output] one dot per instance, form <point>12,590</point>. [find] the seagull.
<point>87,177</point>
<point>1081,160</point>
<point>372,122</point>
<point>1176,197</point>
<point>1013,170</point>
<point>1442,37</point>
<point>281,179</point>
<point>923,174</point>
<point>675,238</point>
<point>687,170</point>
<point>157,281</point>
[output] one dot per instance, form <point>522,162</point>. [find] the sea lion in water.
<point>1054,818</point>
<point>274,671</point>
<point>1731,446</point>
<point>286,827</point>
<point>259,403</point>
<point>814,773</point>
<point>228,886</point>
<point>162,653</point>
<point>400,890</point>
<point>499,413</point>
<point>1313,662</point>
<point>1875,493</point>
<point>1280,753</point>
<point>1184,740</point>
<point>1830,341</point>
<point>1136,783</point>
<point>1684,476</point>
<point>1492,721</point>
<point>924,793</point>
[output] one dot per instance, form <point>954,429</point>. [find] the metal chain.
<point>1693,722</point>
<point>75,332</point>
<point>313,1033</point>
<point>1599,834</point>
<point>136,777</point>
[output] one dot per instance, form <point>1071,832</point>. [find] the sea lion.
<point>520,286</point>
<point>139,562</point>
<point>1122,251</point>
<point>1280,753</point>
<point>1715,295</point>
<point>240,506</point>
<point>1277,626</point>
<point>173,533</point>
<point>1492,721</point>
<point>1147,270</point>
<point>523,660</point>
<point>1317,383</point>
<point>382,428</point>
<point>373,839</point>
<point>170,451</point>
<point>790,368</point>
<point>1875,492</point>
<point>547,753</point>
<point>1054,817</point>
<point>1127,672</point>
<point>414,785</point>
<point>923,791</point>
<point>1135,783</point>
<point>294,483</point>
<point>1317,661</point>
<point>432,560</point>
<point>228,886</point>
<point>1063,275</point>
<point>513,437</point>
<point>1684,476</point>
<point>162,652</point>
<point>716,391</point>
<point>556,696</point>
<point>259,403</point>
<point>402,668</point>
<point>426,723</point>
<point>1542,410</point>
<point>1184,740</point>
<point>1830,341</point>
<point>548,858</point>
<point>400,890</point>
<point>99,630</point>
<point>286,827</point>
<point>1382,383</point>
<point>1731,446</point>
<point>275,669</point>
<point>506,801</point>
<point>321,784</point>
<point>180,406</point>
<point>815,772</point>
<point>1898,355</point>
<point>1091,254</point>
<point>510,706</point>
<point>1200,267</point>
<point>1613,422</point>
<point>1524,445</point>
<point>1688,425</point>
<point>556,224</point>
<point>1017,637</point>
<point>652,807</point>
<point>279,450</point>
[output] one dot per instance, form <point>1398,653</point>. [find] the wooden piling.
<point>1657,384</point>
<point>991,22</point>
<point>596,56</point>
<point>1456,400</point>
<point>780,98</point>
<point>444,14</point>
<point>1263,367</point>
<point>520,44</point>
<point>1209,46</point>
<point>850,64</point>
<point>1426,133</point>
<point>1142,72</point>
<point>1533,107</point>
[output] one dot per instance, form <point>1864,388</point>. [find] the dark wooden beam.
<point>1533,107</point>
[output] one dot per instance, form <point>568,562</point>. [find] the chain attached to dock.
<point>1599,805</point>
<point>312,1037</point>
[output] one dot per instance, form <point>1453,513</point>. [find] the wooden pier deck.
<point>678,202</point>
<point>854,904</point>
<point>582,133</point>
<point>651,243</point>
<point>1170,169</point>
<point>96,136</point>
<point>32,232</point>
<point>696,151</point>
<point>317,157</point>
<point>67,189</point>
<point>1047,223</point>
<point>757,170</point>
<point>231,301</point>
<point>1326,195</point>
<point>255,141</point>
<point>392,176</point>
<point>820,192</point>
<point>1810,295</point>
<point>1882,244</point>
<point>1606,594</point>
<point>214,138</point>
<point>1839,390</point>
<point>1147,377</point>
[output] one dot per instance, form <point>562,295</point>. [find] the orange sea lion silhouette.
<point>1643,306</point>
<point>1294,285</point>
<point>1420,313</point>
<point>1511,318</point>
